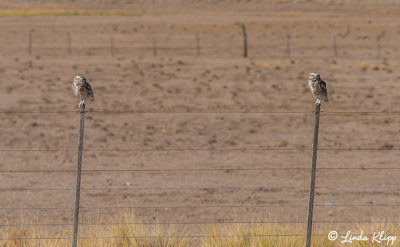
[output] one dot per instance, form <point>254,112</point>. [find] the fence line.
<point>199,223</point>
<point>155,237</point>
<point>212,42</point>
<point>197,170</point>
<point>202,206</point>
<point>199,112</point>
<point>201,169</point>
<point>200,149</point>
<point>203,188</point>
<point>172,236</point>
<point>183,236</point>
<point>192,207</point>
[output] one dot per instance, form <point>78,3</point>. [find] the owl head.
<point>79,80</point>
<point>314,76</point>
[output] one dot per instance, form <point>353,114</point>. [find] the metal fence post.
<point>78,175</point>
<point>197,44</point>
<point>334,46</point>
<point>313,171</point>
<point>378,47</point>
<point>30,43</point>
<point>378,44</point>
<point>69,43</point>
<point>112,45</point>
<point>154,47</point>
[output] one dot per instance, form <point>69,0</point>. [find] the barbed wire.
<point>185,207</point>
<point>378,113</point>
<point>260,188</point>
<point>197,223</point>
<point>179,236</point>
<point>199,149</point>
<point>201,169</point>
<point>156,237</point>
<point>197,112</point>
<point>201,206</point>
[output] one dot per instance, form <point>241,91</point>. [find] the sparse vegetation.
<point>162,118</point>
<point>277,235</point>
<point>131,234</point>
<point>136,234</point>
<point>260,235</point>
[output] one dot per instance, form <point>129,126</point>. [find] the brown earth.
<point>157,117</point>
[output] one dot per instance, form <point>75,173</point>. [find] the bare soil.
<point>156,115</point>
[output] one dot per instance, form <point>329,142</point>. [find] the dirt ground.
<point>156,116</point>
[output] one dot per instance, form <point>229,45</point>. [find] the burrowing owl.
<point>318,87</point>
<point>82,89</point>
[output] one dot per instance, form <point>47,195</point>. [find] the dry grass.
<point>259,235</point>
<point>222,235</point>
<point>28,236</point>
<point>121,235</point>
<point>277,235</point>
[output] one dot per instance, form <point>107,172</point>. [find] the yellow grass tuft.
<point>139,235</point>
<point>365,66</point>
<point>131,233</point>
<point>259,235</point>
<point>123,233</point>
<point>29,237</point>
<point>273,65</point>
<point>277,235</point>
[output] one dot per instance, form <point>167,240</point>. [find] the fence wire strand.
<point>201,169</point>
<point>182,236</point>
<point>261,188</point>
<point>199,223</point>
<point>200,149</point>
<point>200,207</point>
<point>196,170</point>
<point>197,112</point>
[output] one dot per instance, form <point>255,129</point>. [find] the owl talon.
<point>81,103</point>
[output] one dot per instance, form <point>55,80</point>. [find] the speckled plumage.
<point>82,89</point>
<point>317,87</point>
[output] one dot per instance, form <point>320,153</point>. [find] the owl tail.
<point>326,99</point>
<point>92,98</point>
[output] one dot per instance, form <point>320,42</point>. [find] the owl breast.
<point>311,85</point>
